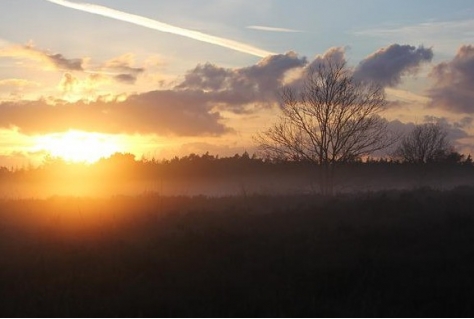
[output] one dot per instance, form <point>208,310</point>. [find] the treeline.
<point>220,176</point>
<point>125,165</point>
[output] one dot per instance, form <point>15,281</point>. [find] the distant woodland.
<point>211,175</point>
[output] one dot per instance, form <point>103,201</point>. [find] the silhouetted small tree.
<point>425,143</point>
<point>332,119</point>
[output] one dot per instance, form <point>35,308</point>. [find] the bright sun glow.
<point>78,146</point>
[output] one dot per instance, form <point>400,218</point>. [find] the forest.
<point>211,175</point>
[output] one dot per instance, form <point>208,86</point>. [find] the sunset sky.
<point>157,78</point>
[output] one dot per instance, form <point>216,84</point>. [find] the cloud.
<point>57,61</point>
<point>457,131</point>
<point>182,113</point>
<point>454,82</point>
<point>407,97</point>
<point>68,83</point>
<point>17,83</point>
<point>84,87</point>
<point>163,27</point>
<point>387,65</point>
<point>258,83</point>
<point>126,78</point>
<point>443,35</point>
<point>123,65</point>
<point>119,68</point>
<point>334,54</point>
<point>189,109</point>
<point>271,29</point>
<point>194,107</point>
<point>65,64</point>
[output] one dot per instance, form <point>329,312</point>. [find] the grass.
<point>384,254</point>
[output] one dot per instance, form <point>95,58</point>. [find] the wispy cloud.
<point>271,29</point>
<point>17,83</point>
<point>163,27</point>
<point>56,61</point>
<point>442,35</point>
<point>406,96</point>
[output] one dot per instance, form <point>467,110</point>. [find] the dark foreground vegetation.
<point>385,254</point>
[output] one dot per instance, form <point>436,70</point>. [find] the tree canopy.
<point>331,118</point>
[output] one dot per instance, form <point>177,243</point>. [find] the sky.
<point>159,79</point>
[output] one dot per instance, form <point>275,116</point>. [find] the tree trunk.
<point>327,179</point>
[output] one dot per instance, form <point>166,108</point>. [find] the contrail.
<point>163,27</point>
<point>271,29</point>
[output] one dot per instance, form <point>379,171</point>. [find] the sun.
<point>78,146</point>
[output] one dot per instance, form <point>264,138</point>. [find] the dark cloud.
<point>336,55</point>
<point>54,60</point>
<point>456,130</point>
<point>453,88</point>
<point>126,78</point>
<point>333,55</point>
<point>183,113</point>
<point>237,87</point>
<point>58,60</point>
<point>191,108</point>
<point>119,68</point>
<point>465,122</point>
<point>388,65</point>
<point>123,65</point>
<point>188,109</point>
<point>65,64</point>
<point>208,77</point>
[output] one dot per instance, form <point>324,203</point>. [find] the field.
<point>384,254</point>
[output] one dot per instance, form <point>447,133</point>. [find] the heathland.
<point>402,251</point>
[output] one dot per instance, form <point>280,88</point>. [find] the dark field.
<point>385,254</point>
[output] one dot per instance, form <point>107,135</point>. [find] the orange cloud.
<point>183,113</point>
<point>123,67</point>
<point>17,83</point>
<point>74,88</point>
<point>54,61</point>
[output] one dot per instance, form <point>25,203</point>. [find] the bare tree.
<point>333,118</point>
<point>425,143</point>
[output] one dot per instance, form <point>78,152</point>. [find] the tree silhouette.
<point>425,143</point>
<point>332,118</point>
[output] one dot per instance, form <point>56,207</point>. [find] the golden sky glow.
<point>77,146</point>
